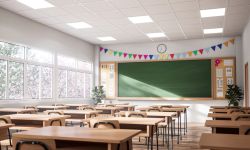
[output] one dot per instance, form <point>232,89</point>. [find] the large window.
<point>27,73</point>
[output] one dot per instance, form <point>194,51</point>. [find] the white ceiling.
<point>178,19</point>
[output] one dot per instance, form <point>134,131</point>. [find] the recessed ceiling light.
<point>140,19</point>
<point>79,25</point>
<point>36,4</point>
<point>211,31</point>
<point>156,35</point>
<point>106,38</point>
<point>212,12</point>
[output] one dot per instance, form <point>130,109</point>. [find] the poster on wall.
<point>219,73</point>
<point>228,62</point>
<point>230,81</point>
<point>219,82</point>
<point>229,72</point>
<point>219,92</point>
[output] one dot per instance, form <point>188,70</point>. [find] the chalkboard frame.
<point>213,79</point>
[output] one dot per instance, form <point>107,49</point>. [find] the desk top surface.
<point>76,105</point>
<point>226,123</point>
<point>16,110</point>
<point>80,134</point>
<point>2,126</point>
<point>225,141</point>
<point>109,108</point>
<point>52,107</point>
<point>134,120</point>
<point>155,114</point>
<point>83,112</point>
<point>36,117</point>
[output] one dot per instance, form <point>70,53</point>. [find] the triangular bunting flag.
<point>226,43</point>
<point>125,55</point>
<point>120,54</point>
<point>134,55</point>
<point>190,53</point>
<point>145,56</point>
<point>195,52</point>
<point>213,47</point>
<point>184,55</point>
<point>178,55</point>
<point>151,56</point>
<point>172,56</point>
<point>105,50</point>
<point>219,45</point>
<point>110,52</point>
<point>161,56</point>
<point>115,53</point>
<point>130,55</point>
<point>232,41</point>
<point>201,51</point>
<point>207,49</point>
<point>140,55</point>
<point>167,56</point>
<point>101,48</point>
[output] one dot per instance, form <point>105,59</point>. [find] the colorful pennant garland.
<point>168,56</point>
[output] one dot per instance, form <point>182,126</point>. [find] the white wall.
<point>198,109</point>
<point>20,30</point>
<point>246,47</point>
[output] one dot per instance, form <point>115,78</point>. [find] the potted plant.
<point>98,94</point>
<point>234,95</point>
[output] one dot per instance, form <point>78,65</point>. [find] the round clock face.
<point>162,48</point>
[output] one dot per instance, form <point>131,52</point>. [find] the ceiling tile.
<point>213,22</point>
<point>239,9</point>
<point>239,2</point>
<point>99,6</point>
<point>212,4</point>
<point>163,17</point>
<point>137,11</point>
<point>153,2</point>
<point>125,3</point>
<point>188,14</point>
<point>158,9</point>
<point>185,6</point>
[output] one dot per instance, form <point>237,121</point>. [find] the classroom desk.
<point>33,120</point>
<point>109,110</point>
<point>6,111</point>
<point>226,126</point>
<point>223,116</point>
<point>43,108</point>
<point>78,114</point>
<point>224,141</point>
<point>165,115</point>
<point>81,138</point>
<point>75,106</point>
<point>126,107</point>
<point>137,123</point>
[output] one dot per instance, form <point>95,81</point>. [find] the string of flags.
<point>190,53</point>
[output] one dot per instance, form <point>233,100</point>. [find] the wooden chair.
<point>5,136</point>
<point>241,117</point>
<point>25,144</point>
<point>88,108</point>
<point>31,107</point>
<point>109,105</point>
<point>154,110</point>
<point>56,122</point>
<point>166,106</point>
<point>107,124</point>
<point>236,111</point>
<point>245,130</point>
<point>58,105</point>
<point>54,112</point>
<point>136,114</point>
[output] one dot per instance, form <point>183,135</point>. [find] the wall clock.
<point>161,48</point>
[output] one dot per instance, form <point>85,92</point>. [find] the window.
<point>15,80</point>
<point>28,73</point>
<point>12,50</point>
<point>39,56</point>
<point>66,61</point>
<point>83,65</point>
<point>3,78</point>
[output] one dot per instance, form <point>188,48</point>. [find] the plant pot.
<point>235,103</point>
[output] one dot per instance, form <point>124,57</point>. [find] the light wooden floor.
<point>188,142</point>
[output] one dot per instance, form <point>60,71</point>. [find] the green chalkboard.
<point>174,79</point>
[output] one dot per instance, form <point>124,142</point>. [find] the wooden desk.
<point>84,138</point>
<point>138,123</point>
<point>109,110</point>
<point>226,126</point>
<point>220,116</point>
<point>80,114</point>
<point>34,120</point>
<point>225,141</point>
<point>126,107</point>
<point>74,106</point>
<point>6,111</point>
<point>4,132</point>
<point>43,108</point>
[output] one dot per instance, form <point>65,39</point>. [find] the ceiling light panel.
<point>212,12</point>
<point>36,4</point>
<point>156,35</point>
<point>140,19</point>
<point>213,31</point>
<point>106,38</point>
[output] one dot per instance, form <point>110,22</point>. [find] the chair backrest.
<point>108,124</point>
<point>56,122</point>
<point>154,110</point>
<point>109,105</point>
<point>30,107</point>
<point>245,130</point>
<point>236,111</point>
<point>137,114</point>
<point>241,117</point>
<point>87,108</point>
<point>35,145</point>
<point>5,120</point>
<point>166,106</point>
<point>54,112</point>
<point>58,105</point>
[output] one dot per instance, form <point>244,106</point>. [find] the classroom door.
<point>246,93</point>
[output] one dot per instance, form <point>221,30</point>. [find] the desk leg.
<point>180,127</point>
<point>172,133</point>
<point>157,136</point>
<point>152,137</point>
<point>178,136</point>
<point>186,118</point>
